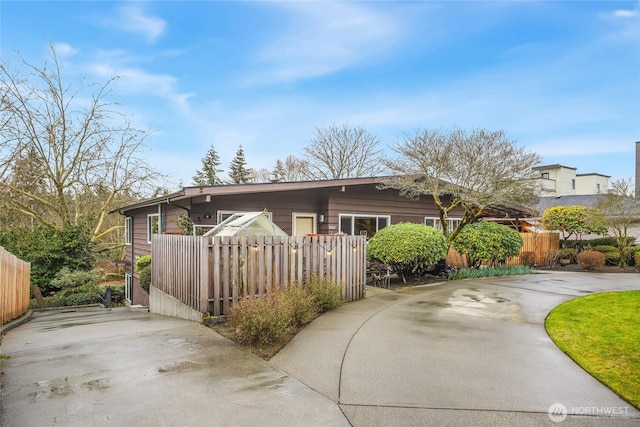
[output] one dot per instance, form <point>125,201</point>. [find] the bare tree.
<point>67,152</point>
<point>295,169</point>
<point>621,210</point>
<point>343,152</point>
<point>260,175</point>
<point>473,171</point>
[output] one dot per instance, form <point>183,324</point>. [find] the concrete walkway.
<point>97,367</point>
<point>471,352</point>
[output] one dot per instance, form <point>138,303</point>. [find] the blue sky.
<point>562,78</point>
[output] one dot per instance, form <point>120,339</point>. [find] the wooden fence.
<point>540,244</point>
<point>209,274</point>
<point>15,277</point>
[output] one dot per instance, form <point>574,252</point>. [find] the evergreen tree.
<point>279,173</point>
<point>208,175</point>
<point>238,172</point>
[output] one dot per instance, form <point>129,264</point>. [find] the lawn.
<point>601,332</point>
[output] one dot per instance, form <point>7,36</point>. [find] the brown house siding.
<point>369,200</point>
<point>322,198</point>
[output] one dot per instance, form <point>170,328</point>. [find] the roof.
<point>186,193</point>
<point>596,174</point>
<point>555,166</point>
<point>588,200</point>
<point>226,189</point>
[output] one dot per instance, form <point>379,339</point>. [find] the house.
<point>350,206</point>
<point>559,180</point>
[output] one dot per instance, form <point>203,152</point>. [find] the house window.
<point>222,215</point>
<point>153,225</point>
<point>545,175</point>
<point>128,287</point>
<point>435,223</point>
<point>363,225</point>
<point>573,184</point>
<point>128,230</point>
<point>598,188</point>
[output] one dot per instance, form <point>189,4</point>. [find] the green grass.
<point>506,270</point>
<point>601,332</point>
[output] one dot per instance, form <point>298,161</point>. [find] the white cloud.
<point>621,13</point>
<point>326,37</point>
<point>134,20</point>
<point>65,49</point>
<point>137,81</point>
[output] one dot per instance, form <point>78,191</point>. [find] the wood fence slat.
<point>261,267</point>
<point>15,285</point>
<point>217,279</point>
<point>213,274</point>
<point>226,249</point>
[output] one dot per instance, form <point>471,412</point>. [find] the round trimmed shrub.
<point>488,242</point>
<point>591,259</point>
<point>408,248</point>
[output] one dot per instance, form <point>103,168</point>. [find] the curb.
<point>16,322</point>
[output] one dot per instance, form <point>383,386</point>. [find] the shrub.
<point>266,320</point>
<point>409,249</point>
<point>631,255</point>
<point>325,294</point>
<point>143,262</point>
<point>82,295</point>
<point>611,253</point>
<point>570,220</point>
<point>50,250</point>
<point>66,278</point>
<point>567,253</point>
<point>591,259</point>
<point>299,302</point>
<point>504,270</point>
<point>488,242</point>
<point>143,267</point>
<point>636,257</point>
<point>261,321</point>
<point>528,258</point>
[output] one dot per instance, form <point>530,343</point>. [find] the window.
<point>153,225</point>
<point>545,175</point>
<point>128,287</point>
<point>128,230</point>
<point>363,225</point>
<point>435,222</point>
<point>222,215</point>
<point>598,188</point>
<point>573,184</point>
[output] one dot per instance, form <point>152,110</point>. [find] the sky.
<point>561,78</point>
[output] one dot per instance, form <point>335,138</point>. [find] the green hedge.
<point>83,295</point>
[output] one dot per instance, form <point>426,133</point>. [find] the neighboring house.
<point>350,206</point>
<point>559,180</point>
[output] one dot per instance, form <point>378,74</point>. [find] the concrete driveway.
<point>95,367</point>
<point>466,353</point>
<point>471,352</point>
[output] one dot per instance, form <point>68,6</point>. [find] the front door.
<point>304,223</point>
